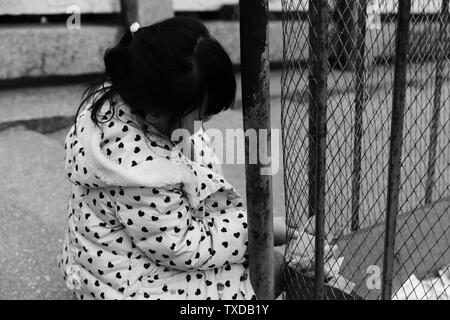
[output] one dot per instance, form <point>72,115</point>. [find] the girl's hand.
<point>279,232</point>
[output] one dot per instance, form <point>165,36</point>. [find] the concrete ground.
<point>32,215</point>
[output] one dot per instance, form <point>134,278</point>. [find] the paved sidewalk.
<point>33,197</point>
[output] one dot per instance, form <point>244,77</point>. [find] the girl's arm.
<point>162,226</point>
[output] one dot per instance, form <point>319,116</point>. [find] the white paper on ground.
<point>429,289</point>
<point>332,267</point>
<point>339,282</point>
<point>303,259</point>
<point>412,289</point>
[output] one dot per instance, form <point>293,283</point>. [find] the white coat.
<point>146,222</point>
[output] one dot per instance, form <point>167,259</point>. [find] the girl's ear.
<point>159,120</point>
<point>153,117</point>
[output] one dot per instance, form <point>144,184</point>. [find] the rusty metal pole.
<point>395,152</point>
<point>254,29</point>
<point>129,12</point>
<point>360,100</point>
<point>318,72</point>
<point>444,47</point>
<point>346,33</point>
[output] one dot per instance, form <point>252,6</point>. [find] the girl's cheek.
<point>189,124</point>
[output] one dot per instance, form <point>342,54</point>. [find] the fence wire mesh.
<point>360,84</point>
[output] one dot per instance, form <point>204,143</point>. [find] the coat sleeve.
<point>160,223</point>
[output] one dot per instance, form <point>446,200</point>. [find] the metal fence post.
<point>443,43</point>
<point>318,72</point>
<point>146,12</point>
<point>254,29</point>
<point>395,152</point>
<point>129,13</point>
<point>359,105</point>
<point>346,31</point>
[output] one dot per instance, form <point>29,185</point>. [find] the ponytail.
<point>170,67</point>
<point>103,89</point>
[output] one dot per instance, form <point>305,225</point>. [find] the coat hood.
<point>95,157</point>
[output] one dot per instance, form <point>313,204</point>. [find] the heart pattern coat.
<point>147,222</point>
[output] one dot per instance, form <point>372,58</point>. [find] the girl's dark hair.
<point>170,67</point>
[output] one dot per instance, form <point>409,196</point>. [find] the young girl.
<point>145,220</point>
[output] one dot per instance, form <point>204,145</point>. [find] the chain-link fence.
<point>352,90</point>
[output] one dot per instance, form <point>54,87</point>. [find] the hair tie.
<point>134,27</point>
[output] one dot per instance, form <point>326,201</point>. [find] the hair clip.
<point>134,27</point>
